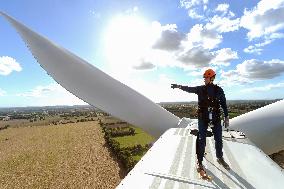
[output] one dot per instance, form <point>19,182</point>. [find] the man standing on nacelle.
<point>210,97</point>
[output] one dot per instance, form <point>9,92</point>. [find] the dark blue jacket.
<point>211,88</point>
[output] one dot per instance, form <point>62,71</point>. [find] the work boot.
<point>199,167</point>
<point>202,173</point>
<point>223,163</point>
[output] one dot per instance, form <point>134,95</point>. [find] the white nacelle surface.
<point>171,163</point>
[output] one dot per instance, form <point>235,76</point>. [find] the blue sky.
<point>148,45</point>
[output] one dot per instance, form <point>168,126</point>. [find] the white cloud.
<point>40,91</point>
<point>193,13</point>
<point>160,90</point>
<point>199,73</point>
<point>144,47</point>
<point>8,64</point>
<point>232,78</point>
<point>208,35</point>
<point>170,38</point>
<point>2,92</point>
<point>252,49</point>
<point>258,48</point>
<point>253,70</point>
<point>199,35</point>
<point>222,8</point>
<point>192,3</point>
<point>52,94</point>
<point>194,51</point>
<point>274,36</point>
<point>196,82</point>
<point>223,24</point>
<point>224,57</point>
<point>197,56</point>
<point>265,88</point>
<point>257,69</point>
<point>198,9</point>
<point>264,19</point>
<point>195,7</point>
<point>144,65</point>
<point>160,58</point>
<point>195,74</point>
<point>137,45</point>
<point>231,14</point>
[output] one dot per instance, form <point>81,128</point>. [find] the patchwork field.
<point>53,153</point>
<point>57,156</point>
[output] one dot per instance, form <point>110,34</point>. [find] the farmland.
<point>57,156</point>
<point>79,147</point>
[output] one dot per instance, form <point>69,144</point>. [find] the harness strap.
<point>207,102</point>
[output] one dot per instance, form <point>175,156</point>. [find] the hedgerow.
<point>123,154</point>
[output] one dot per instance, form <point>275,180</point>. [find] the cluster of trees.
<point>67,120</point>
<point>137,149</point>
<point>21,116</point>
<point>115,123</point>
<point>78,114</point>
<point>235,108</point>
<point>124,154</point>
<point>28,116</point>
<point>183,111</point>
<point>119,131</point>
<point>34,119</point>
<point>84,120</point>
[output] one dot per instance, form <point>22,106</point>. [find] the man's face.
<point>207,80</point>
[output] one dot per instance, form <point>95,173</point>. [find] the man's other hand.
<point>174,86</point>
<point>227,123</point>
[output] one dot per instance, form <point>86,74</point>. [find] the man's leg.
<point>217,131</point>
<point>201,140</point>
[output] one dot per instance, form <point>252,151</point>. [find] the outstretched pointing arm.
<point>185,88</point>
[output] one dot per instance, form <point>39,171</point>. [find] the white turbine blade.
<point>94,86</point>
<point>264,126</point>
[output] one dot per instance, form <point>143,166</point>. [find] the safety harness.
<point>209,105</point>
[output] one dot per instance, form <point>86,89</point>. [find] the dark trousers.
<point>201,139</point>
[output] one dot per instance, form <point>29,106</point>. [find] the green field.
<point>140,137</point>
<point>233,114</point>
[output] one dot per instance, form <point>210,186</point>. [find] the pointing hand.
<point>174,86</point>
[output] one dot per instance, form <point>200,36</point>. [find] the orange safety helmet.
<point>209,73</point>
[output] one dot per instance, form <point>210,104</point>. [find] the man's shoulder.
<point>218,88</point>
<point>213,85</point>
<point>201,86</point>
